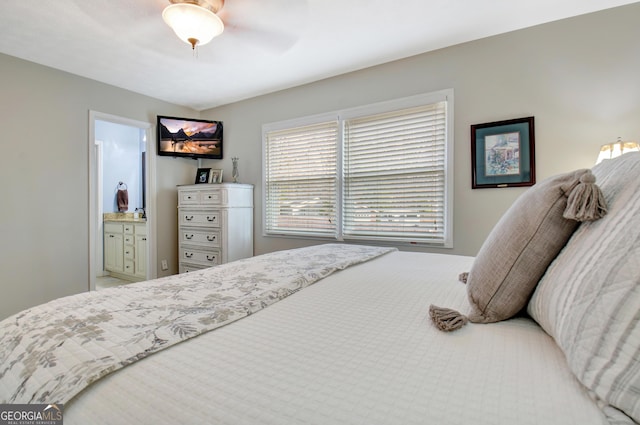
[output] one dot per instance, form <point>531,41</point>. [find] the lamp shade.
<point>612,150</point>
<point>193,24</point>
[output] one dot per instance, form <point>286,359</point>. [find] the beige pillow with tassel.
<point>521,246</point>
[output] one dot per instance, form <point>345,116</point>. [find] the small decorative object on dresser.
<point>203,175</point>
<point>235,174</point>
<point>215,224</point>
<point>216,176</point>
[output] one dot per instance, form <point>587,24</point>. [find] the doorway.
<point>133,154</point>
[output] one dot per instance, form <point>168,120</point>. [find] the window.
<point>302,180</point>
<point>377,173</point>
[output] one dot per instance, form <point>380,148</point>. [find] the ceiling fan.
<point>194,21</point>
<point>197,22</point>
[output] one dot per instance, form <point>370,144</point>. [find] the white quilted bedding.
<point>355,348</point>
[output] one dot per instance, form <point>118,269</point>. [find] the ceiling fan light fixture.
<point>193,24</point>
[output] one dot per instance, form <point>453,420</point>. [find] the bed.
<point>342,334</point>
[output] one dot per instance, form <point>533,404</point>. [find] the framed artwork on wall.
<point>203,175</point>
<point>503,154</point>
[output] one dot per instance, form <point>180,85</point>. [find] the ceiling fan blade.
<point>275,25</point>
<point>133,21</point>
<point>276,41</point>
<point>120,13</point>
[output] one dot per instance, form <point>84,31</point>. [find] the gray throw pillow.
<point>521,246</point>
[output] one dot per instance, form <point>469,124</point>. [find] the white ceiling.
<point>267,45</point>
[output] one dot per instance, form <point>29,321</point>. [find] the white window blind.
<point>380,172</point>
<point>301,180</point>
<point>394,168</point>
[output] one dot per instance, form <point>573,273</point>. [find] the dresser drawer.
<point>207,258</point>
<point>186,268</point>
<point>188,197</point>
<point>129,253</point>
<point>211,197</point>
<point>128,228</point>
<point>128,267</point>
<point>210,238</point>
<point>129,239</point>
<point>200,218</point>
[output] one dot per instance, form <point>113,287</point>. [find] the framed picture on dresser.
<point>215,176</point>
<point>203,175</point>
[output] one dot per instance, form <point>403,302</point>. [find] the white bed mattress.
<point>355,348</point>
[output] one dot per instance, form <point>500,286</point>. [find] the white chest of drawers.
<point>215,224</point>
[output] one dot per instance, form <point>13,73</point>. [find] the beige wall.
<point>579,77</point>
<point>44,170</point>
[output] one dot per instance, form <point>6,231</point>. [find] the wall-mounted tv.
<point>189,137</point>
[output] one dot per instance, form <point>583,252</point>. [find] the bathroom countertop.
<point>128,217</point>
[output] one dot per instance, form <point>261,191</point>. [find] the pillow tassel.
<point>462,277</point>
<point>586,201</point>
<point>447,319</point>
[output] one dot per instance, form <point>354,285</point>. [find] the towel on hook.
<point>122,198</point>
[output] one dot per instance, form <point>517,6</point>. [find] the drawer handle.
<point>127,252</point>
<point>111,236</point>
<point>144,239</point>
<point>189,197</point>
<point>189,237</point>
<point>212,218</point>
<point>188,217</point>
<point>211,238</point>
<point>211,257</point>
<point>188,254</point>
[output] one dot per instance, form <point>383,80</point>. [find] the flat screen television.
<point>189,137</point>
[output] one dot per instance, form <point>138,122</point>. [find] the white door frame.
<point>99,248</point>
<point>95,200</point>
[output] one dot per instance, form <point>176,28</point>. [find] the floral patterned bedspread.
<point>50,353</point>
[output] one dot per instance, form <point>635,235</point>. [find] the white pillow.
<point>589,298</point>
